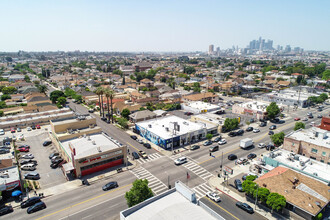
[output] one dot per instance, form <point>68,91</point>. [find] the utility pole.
<point>255,205</point>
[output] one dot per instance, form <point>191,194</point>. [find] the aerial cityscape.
<point>168,110</point>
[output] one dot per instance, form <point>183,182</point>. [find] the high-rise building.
<point>218,51</point>
<point>211,49</point>
<point>287,49</point>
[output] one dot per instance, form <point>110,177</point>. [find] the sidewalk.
<point>218,183</point>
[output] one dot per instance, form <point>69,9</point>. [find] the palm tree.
<point>107,95</point>
<point>111,94</point>
<point>99,91</point>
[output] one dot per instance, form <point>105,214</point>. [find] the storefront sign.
<point>12,185</point>
<point>85,160</point>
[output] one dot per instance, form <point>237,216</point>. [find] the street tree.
<point>9,90</point>
<point>272,110</point>
<point>278,138</point>
<point>231,123</point>
<point>324,96</point>
<point>99,92</point>
<point>61,101</point>
<point>276,201</point>
<point>299,125</point>
<point>189,69</point>
<point>209,136</point>
<point>262,194</point>
<point>326,75</point>
<point>125,113</point>
<point>249,186</point>
<point>42,88</point>
<point>5,97</point>
<point>55,95</point>
<point>138,193</point>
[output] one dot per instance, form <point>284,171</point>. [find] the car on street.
<point>272,127</point>
<point>28,156</point>
<point>241,160</point>
<point>188,113</point>
<point>194,147</point>
<point>147,145</point>
<point>36,207</point>
<point>245,207</point>
<point>251,156</point>
<point>214,148</point>
<point>213,196</point>
<point>319,109</point>
<point>270,147</point>
<point>12,130</point>
<point>4,151</point>
<point>261,145</point>
<point>270,132</point>
<point>310,116</point>
<point>305,119</point>
<point>232,157</point>
<point>110,185</point>
<point>217,139</point>
<point>297,119</point>
<point>32,176</point>
<point>222,141</point>
<point>33,127</point>
<point>53,155</point>
<point>207,143</point>
<point>5,209</point>
<point>275,120</point>
<point>30,201</point>
<point>180,160</point>
<point>133,137</point>
<point>56,163</point>
<point>240,132</point>
<point>2,132</point>
<point>238,185</point>
<point>135,155</point>
<point>19,129</point>
<point>24,149</point>
<point>249,129</point>
<point>232,134</point>
<point>263,124</point>
<point>91,110</point>
<point>319,116</point>
<point>143,154</point>
<point>140,141</point>
<point>256,130</point>
<point>29,129</point>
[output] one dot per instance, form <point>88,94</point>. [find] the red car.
<point>297,119</point>
<point>23,149</point>
<point>24,146</point>
<point>38,126</point>
<point>12,130</point>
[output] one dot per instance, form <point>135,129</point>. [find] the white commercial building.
<point>199,107</point>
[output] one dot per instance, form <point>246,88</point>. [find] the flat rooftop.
<point>293,95</point>
<point>254,105</point>
<point>159,126</point>
<point>172,206</point>
<point>9,175</point>
<point>211,117</point>
<point>313,135</point>
<point>68,121</point>
<point>89,145</point>
<point>202,105</point>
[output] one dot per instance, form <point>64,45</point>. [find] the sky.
<point>160,25</point>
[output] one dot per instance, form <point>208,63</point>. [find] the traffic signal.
<point>210,154</point>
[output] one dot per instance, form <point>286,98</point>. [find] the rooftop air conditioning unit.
<point>167,129</point>
<point>88,138</point>
<point>149,125</point>
<point>93,142</point>
<point>84,135</point>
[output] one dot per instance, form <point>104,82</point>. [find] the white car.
<point>140,141</point>
<point>222,141</point>
<point>261,145</point>
<point>256,130</point>
<point>2,132</point>
<point>213,196</point>
<point>180,161</point>
<point>29,129</point>
<point>305,119</point>
<point>28,156</point>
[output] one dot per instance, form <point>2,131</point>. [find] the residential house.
<point>142,116</point>
<point>205,97</point>
<point>16,77</point>
<point>146,83</point>
<point>144,101</point>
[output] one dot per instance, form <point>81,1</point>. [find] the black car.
<point>133,137</point>
<point>36,207</point>
<point>245,207</point>
<point>273,127</point>
<point>31,201</point>
<point>56,159</point>
<point>275,120</point>
<point>32,176</point>
<point>147,145</point>
<point>270,147</point>
<point>238,185</point>
<point>263,124</point>
<point>232,157</point>
<point>46,143</point>
<point>249,129</point>
<point>91,110</point>
<point>232,134</point>
<point>6,209</point>
<point>53,155</point>
<point>4,151</point>
<point>22,162</point>
<point>110,185</point>
<point>194,147</point>
<point>135,155</point>
<point>56,163</point>
<point>33,127</point>
<point>251,156</point>
<point>104,119</point>
<point>240,132</point>
<point>270,132</point>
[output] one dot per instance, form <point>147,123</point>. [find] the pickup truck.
<point>143,154</point>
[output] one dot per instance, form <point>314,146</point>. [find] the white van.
<point>28,167</point>
<point>2,132</point>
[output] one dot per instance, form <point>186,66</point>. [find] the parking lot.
<point>48,177</point>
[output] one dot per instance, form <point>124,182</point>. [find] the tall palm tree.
<point>111,95</point>
<point>107,95</point>
<point>99,91</point>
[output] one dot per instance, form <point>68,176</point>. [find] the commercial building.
<point>177,203</point>
<point>84,147</point>
<point>9,180</point>
<point>313,143</point>
<point>199,107</point>
<point>209,118</point>
<point>172,131</point>
<point>325,123</point>
<point>254,108</point>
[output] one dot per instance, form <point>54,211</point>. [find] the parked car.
<point>46,143</point>
<point>194,147</point>
<point>91,110</point>
<point>29,129</point>
<point>213,196</point>
<point>30,201</point>
<point>54,159</point>
<point>256,130</point>
<point>249,129</point>
<point>135,155</point>
<point>12,130</point>
<point>147,145</point>
<point>214,148</point>
<point>133,137</point>
<point>238,185</point>
<point>222,141</point>
<point>22,162</point>
<point>53,155</point>
<point>270,147</point>
<point>2,132</point>
<point>6,209</point>
<point>241,160</point>
<point>297,119</point>
<point>232,134</point>
<point>207,143</point>
<point>180,160</point>
<point>28,156</point>
<point>319,116</point>
<point>29,167</point>
<point>245,207</point>
<point>251,156</point>
<point>33,127</point>
<point>24,146</point>
<point>305,119</point>
<point>263,124</point>
<point>110,185</point>
<point>240,132</point>
<point>4,151</point>
<point>270,132</point>
<point>140,141</point>
<point>24,149</point>
<point>56,163</point>
<point>38,127</point>
<point>261,145</point>
<point>36,207</point>
<point>272,127</point>
<point>32,176</point>
<point>232,157</point>
<point>217,139</point>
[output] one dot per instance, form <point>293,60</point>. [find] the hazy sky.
<point>160,25</point>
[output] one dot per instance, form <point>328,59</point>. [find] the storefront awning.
<point>67,167</point>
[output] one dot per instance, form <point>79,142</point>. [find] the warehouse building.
<point>254,109</point>
<point>199,107</point>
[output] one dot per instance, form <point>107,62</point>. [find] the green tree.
<point>251,177</point>
<point>27,78</point>
<point>55,95</point>
<point>209,64</point>
<point>5,97</point>
<point>189,69</point>
<point>262,194</point>
<point>231,123</point>
<point>42,88</point>
<point>138,193</point>
<point>9,90</point>
<point>324,96</point>
<point>122,122</point>
<point>1,113</point>
<point>118,72</point>
<point>125,113</point>
<point>278,138</point>
<point>78,98</point>
<point>209,136</point>
<point>249,186</point>
<point>299,125</point>
<point>272,110</point>
<point>69,92</point>
<point>61,101</point>
<point>3,105</point>
<point>326,75</point>
<point>276,201</point>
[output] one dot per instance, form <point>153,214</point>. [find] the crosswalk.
<point>194,167</point>
<point>151,157</point>
<point>155,184</point>
<point>201,190</point>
